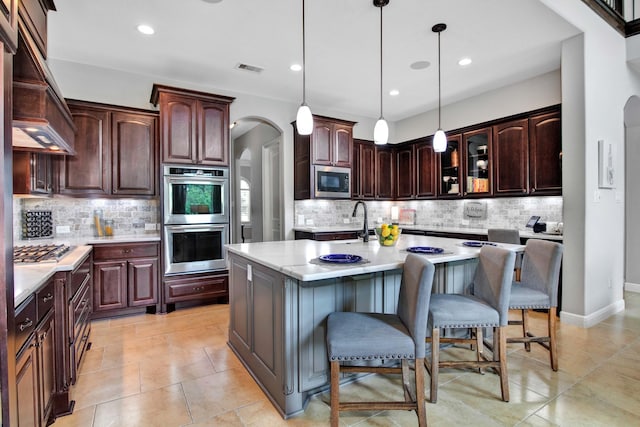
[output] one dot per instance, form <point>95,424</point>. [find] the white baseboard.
<point>593,318</point>
<point>632,287</point>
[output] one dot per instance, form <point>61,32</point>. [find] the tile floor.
<point>176,370</point>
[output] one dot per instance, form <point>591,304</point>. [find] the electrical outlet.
<point>63,229</point>
<point>157,226</point>
<point>149,226</point>
<point>309,222</point>
<point>346,220</point>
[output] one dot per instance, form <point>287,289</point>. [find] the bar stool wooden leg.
<point>525,328</point>
<point>435,360</point>
<point>335,393</point>
<point>422,411</point>
<point>502,354</point>
<point>479,348</point>
<point>553,348</point>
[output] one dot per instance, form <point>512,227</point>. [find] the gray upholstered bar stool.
<point>538,289</point>
<point>487,306</point>
<point>507,235</point>
<point>362,337</point>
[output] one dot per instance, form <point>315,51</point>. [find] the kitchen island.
<point>280,294</point>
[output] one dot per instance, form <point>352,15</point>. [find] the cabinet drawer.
<point>200,287</point>
<point>133,250</point>
<point>80,307</point>
<point>79,277</point>
<point>45,299</point>
<point>25,320</point>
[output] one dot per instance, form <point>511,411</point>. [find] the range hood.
<point>41,119</point>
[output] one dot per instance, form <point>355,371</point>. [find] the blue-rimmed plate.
<point>340,258</point>
<point>425,250</point>
<point>478,244</point>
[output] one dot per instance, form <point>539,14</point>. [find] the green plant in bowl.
<point>388,234</point>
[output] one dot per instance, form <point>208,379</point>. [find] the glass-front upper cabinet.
<point>450,168</point>
<point>478,164</point>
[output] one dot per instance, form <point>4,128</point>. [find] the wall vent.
<point>251,68</point>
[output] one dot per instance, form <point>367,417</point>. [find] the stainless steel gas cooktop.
<point>39,253</point>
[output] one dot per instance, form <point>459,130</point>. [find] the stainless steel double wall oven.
<point>196,218</point>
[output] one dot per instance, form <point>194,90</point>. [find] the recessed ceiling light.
<point>212,1</point>
<point>295,67</point>
<point>146,29</point>
<point>464,62</point>
<point>420,65</point>
<point>394,92</point>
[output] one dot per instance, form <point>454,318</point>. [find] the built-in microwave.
<point>195,195</point>
<point>332,182</point>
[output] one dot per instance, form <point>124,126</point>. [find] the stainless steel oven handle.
<point>195,229</point>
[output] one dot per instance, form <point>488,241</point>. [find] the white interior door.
<point>271,191</point>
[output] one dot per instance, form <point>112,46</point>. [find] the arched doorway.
<point>257,202</point>
<point>632,195</point>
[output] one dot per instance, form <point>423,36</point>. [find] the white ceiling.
<point>202,42</point>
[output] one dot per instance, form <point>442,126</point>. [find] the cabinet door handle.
<point>43,336</point>
<point>26,324</point>
<point>84,302</point>
<point>47,298</point>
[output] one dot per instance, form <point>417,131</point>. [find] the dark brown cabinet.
<point>133,154</point>
<point>384,172</point>
<point>36,357</point>
<point>478,162</point>
<point>195,288</point>
<point>87,173</point>
<point>27,385</point>
<point>510,158</point>
<point>405,172</point>
<point>126,276</point>
<point>545,154</point>
<point>34,16</point>
<point>425,173</point>
<point>194,126</point>
<point>9,24</point>
<point>32,173</point>
<point>116,153</point>
<point>330,144</point>
<point>363,170</point>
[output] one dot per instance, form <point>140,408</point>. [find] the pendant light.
<point>439,139</point>
<point>304,119</point>
<point>381,130</point>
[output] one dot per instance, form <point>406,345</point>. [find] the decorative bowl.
<point>388,234</point>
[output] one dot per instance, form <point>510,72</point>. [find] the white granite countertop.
<point>526,233</point>
<point>298,258</point>
<point>28,278</point>
<point>89,240</point>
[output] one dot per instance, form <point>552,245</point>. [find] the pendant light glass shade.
<point>381,132</point>
<point>439,141</point>
<point>304,120</point>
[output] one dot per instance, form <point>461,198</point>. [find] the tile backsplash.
<point>511,212</point>
<point>129,215</point>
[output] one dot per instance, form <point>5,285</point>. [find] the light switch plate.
<point>149,226</point>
